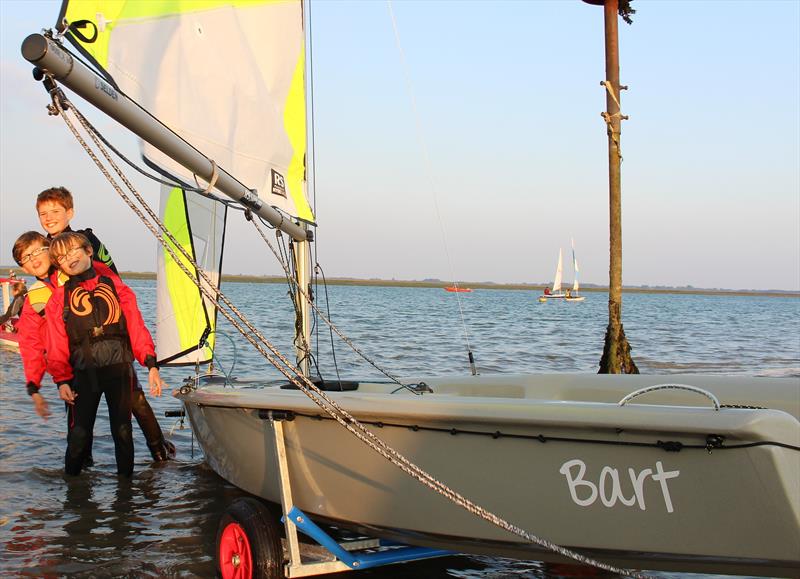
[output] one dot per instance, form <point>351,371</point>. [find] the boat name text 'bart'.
<point>609,489</point>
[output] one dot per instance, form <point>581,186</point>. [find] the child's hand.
<point>156,383</point>
<point>41,406</point>
<point>67,394</point>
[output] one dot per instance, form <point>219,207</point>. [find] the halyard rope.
<point>324,318</point>
<point>285,367</point>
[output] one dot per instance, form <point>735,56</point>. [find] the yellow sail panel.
<point>294,118</point>
<point>227,76</point>
<point>185,319</point>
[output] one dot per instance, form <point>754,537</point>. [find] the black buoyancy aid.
<point>95,326</point>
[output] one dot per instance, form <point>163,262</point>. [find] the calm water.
<point>163,523</point>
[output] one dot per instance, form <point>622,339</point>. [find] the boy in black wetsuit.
<point>94,331</point>
<point>55,209</point>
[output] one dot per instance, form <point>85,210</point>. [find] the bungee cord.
<point>277,359</point>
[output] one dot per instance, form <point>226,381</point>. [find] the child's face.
<point>36,259</point>
<point>76,260</point>
<point>53,217</point>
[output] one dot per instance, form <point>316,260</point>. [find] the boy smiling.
<point>94,331</point>
<point>56,209</point>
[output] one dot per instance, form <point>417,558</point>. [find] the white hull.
<point>732,510</point>
<point>554,297</point>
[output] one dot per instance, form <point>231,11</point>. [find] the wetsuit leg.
<point>80,425</point>
<point>160,448</point>
<point>89,460</point>
<point>117,386</point>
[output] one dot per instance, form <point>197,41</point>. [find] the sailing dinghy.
<point>555,292</point>
<point>688,473</point>
<point>574,295</point>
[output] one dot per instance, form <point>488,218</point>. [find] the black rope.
<point>328,311</point>
<point>713,441</point>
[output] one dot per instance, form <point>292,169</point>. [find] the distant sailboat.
<point>8,334</point>
<point>572,296</point>
<point>555,293</point>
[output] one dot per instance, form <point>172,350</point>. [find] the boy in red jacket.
<point>94,331</point>
<point>31,251</point>
<point>55,208</point>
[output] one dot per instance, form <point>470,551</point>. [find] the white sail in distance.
<point>575,285</point>
<point>559,268</point>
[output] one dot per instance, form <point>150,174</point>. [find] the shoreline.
<point>439,284</point>
<point>227,278</point>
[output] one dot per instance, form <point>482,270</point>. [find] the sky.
<point>474,149</point>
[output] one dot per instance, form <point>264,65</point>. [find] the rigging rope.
<point>432,184</point>
<point>280,362</point>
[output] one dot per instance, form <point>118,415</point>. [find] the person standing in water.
<point>94,331</point>
<point>55,208</point>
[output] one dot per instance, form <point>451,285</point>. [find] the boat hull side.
<point>690,505</point>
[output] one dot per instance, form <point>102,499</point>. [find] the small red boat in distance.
<point>455,288</point>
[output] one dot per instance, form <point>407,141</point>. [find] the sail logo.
<point>609,488</point>
<point>278,184</point>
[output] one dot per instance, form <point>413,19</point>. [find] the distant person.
<point>547,291</point>
<point>18,291</point>
<point>55,207</point>
<point>94,331</point>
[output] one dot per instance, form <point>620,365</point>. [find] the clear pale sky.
<point>511,144</point>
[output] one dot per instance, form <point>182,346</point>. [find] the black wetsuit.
<point>160,448</point>
<point>101,356</point>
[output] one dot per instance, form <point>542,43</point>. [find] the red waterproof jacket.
<point>58,354</point>
<point>32,328</point>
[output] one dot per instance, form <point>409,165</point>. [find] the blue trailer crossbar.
<point>355,560</point>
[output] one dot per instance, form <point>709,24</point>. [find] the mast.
<point>53,61</point>
<point>302,268</point>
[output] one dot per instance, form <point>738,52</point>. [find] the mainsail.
<point>557,279</point>
<point>575,286</point>
<point>228,76</point>
<point>185,318</point>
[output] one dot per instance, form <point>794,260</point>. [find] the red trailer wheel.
<point>249,542</point>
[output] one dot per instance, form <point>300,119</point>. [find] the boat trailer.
<point>249,536</point>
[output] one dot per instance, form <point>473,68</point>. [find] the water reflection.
<point>164,522</point>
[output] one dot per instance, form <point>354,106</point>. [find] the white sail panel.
<point>575,286</point>
<point>558,276</point>
<point>186,320</point>
<point>227,76</point>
